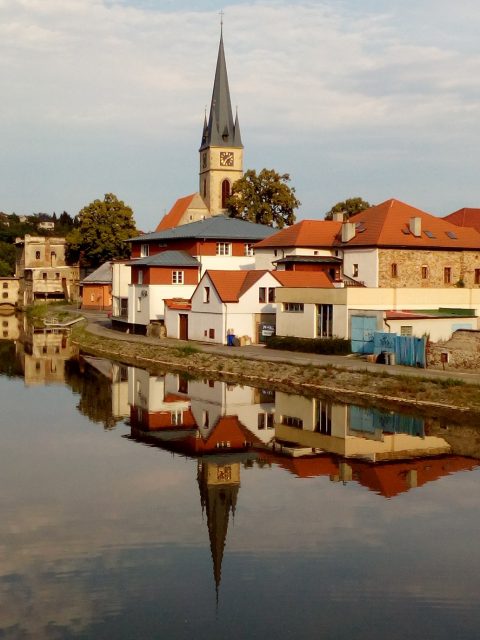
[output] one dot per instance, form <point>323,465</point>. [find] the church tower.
<point>221,150</point>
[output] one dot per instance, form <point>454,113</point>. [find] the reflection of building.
<point>42,271</point>
<point>8,292</point>
<point>9,326</point>
<point>219,483</point>
<point>351,431</point>
<point>220,416</point>
<point>43,353</point>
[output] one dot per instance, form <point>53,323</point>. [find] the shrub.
<point>331,346</point>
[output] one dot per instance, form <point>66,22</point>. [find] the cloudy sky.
<point>378,98</point>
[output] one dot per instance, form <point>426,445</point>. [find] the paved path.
<point>99,324</point>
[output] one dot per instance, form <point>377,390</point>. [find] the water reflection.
<point>195,491</point>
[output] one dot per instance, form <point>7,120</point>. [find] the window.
<point>224,248</point>
<point>206,294</point>
<point>406,330</point>
<point>355,271</point>
<point>225,193</point>
<point>323,422</point>
<point>57,275</point>
<point>92,297</point>
<point>293,307</point>
<point>477,276</point>
<point>37,255</point>
<point>176,417</point>
<point>44,275</point>
<point>291,421</point>
<point>271,294</point>
<point>5,323</point>
<point>424,272</point>
<point>248,249</point>
<point>140,277</point>
<point>204,188</point>
<point>447,275</point>
<point>177,277</point>
<point>144,250</point>
<point>262,294</point>
<point>324,320</point>
<point>394,270</point>
<point>139,304</point>
<point>5,285</point>
<point>5,294</point>
<point>211,334</point>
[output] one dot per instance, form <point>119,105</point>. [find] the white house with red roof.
<point>229,306</point>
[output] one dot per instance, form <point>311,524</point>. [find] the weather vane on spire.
<point>221,14</point>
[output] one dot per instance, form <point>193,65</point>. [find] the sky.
<point>378,99</point>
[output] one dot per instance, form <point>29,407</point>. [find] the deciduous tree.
<point>348,207</point>
<point>101,231</point>
<point>265,198</point>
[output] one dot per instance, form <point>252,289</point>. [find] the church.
<point>221,157</point>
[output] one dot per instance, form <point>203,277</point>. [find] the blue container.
<point>230,340</point>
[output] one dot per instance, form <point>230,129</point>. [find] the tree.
<point>265,198</point>
<point>102,229</point>
<point>7,259</point>
<point>349,208</point>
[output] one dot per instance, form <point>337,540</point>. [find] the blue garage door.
<point>362,330</point>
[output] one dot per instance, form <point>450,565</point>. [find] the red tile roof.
<point>173,303</point>
<point>387,225</point>
<point>231,285</point>
<point>173,217</point>
<point>465,218</point>
<point>307,233</point>
<point>302,279</point>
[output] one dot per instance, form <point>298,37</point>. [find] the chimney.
<point>348,231</point>
<point>337,216</point>
<point>416,227</point>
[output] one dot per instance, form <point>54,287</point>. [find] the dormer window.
<point>144,250</point>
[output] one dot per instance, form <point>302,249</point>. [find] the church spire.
<point>221,130</point>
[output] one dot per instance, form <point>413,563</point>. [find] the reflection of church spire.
<point>219,485</point>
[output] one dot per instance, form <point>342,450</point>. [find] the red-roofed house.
<point>238,303</point>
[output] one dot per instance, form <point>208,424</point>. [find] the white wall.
<point>232,263</point>
<point>437,328</point>
<point>367,260</point>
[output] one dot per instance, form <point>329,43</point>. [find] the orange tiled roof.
<point>387,225</point>
<point>302,279</point>
<point>465,217</point>
<point>230,285</point>
<point>181,304</point>
<point>307,233</point>
<point>173,217</point>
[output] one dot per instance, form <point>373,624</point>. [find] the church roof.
<point>173,217</point>
<point>221,130</point>
<point>214,228</point>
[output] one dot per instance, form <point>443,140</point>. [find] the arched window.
<point>225,193</point>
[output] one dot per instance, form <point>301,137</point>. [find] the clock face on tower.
<point>226,158</point>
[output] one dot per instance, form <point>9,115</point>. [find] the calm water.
<point>140,506</point>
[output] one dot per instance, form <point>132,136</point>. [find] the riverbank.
<point>456,396</point>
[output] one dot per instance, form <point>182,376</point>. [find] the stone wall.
<point>409,264</point>
<point>463,350</point>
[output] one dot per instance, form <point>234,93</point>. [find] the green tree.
<point>102,229</point>
<point>265,198</point>
<point>348,207</point>
<point>7,259</point>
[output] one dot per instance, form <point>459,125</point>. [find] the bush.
<point>331,346</point>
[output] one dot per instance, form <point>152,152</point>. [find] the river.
<point>159,506</point>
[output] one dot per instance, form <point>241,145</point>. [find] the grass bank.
<point>449,397</point>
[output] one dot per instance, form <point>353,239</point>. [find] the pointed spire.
<point>221,130</point>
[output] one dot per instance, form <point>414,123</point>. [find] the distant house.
<point>96,288</point>
<point>42,271</point>
<point>46,225</point>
